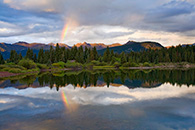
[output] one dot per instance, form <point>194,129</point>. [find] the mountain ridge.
<point>21,47</point>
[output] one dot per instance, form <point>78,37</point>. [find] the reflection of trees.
<point>152,77</point>
<point>180,77</point>
<point>28,80</point>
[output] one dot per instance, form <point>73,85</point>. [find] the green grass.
<point>103,67</point>
<point>42,66</point>
<point>70,64</point>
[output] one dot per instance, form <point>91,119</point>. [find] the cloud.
<point>175,16</point>
<point>102,95</point>
<point>47,16</point>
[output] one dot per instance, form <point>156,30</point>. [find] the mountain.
<point>134,46</point>
<point>22,47</point>
<point>60,45</point>
<point>98,46</point>
<point>38,46</point>
<point>184,45</point>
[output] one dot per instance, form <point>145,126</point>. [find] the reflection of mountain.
<point>133,83</point>
<point>129,83</point>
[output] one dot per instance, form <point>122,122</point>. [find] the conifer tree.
<point>13,56</point>
<point>106,56</point>
<point>41,56</point>
<point>123,58</point>
<point>51,56</point>
<point>57,53</point>
<point>20,56</point>
<point>1,59</point>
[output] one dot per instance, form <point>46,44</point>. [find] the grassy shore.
<point>28,66</point>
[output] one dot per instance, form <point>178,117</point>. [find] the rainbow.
<point>64,32</point>
<point>64,99</point>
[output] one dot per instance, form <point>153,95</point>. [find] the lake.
<point>99,100</point>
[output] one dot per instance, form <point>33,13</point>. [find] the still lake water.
<point>116,100</point>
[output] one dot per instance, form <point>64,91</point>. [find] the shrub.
<point>41,66</point>
<point>17,66</point>
<point>102,63</point>
<point>28,64</point>
<point>127,64</point>
<point>2,66</point>
<point>10,63</point>
<point>12,70</point>
<point>116,64</point>
<point>15,70</point>
<point>133,64</point>
<point>59,64</point>
<point>73,64</point>
<point>146,64</point>
<point>94,62</point>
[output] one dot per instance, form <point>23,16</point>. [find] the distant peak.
<point>115,44</point>
<point>131,42</point>
<point>82,44</point>
<point>21,42</point>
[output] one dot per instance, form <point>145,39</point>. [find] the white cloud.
<point>102,95</point>
<point>107,21</point>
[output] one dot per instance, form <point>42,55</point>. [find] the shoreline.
<point>4,74</point>
<point>162,67</point>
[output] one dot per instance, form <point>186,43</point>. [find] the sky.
<point>169,22</point>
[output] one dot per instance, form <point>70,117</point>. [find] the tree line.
<point>87,55</point>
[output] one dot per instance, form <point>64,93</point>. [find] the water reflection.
<point>99,100</point>
<point>129,78</point>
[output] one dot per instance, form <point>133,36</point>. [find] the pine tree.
<point>123,58</point>
<point>29,54</point>
<point>57,53</point>
<point>35,57</point>
<point>41,56</point>
<point>91,55</point>
<point>167,58</point>
<point>95,53</point>
<point>1,59</point>
<point>13,56</point>
<point>20,56</point>
<point>192,57</point>
<point>51,56</point>
<point>106,56</point>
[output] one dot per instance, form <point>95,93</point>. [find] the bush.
<point>133,64</point>
<point>73,64</point>
<point>10,63</point>
<point>41,66</point>
<point>127,64</point>
<point>28,64</point>
<point>59,64</point>
<point>15,70</point>
<point>102,63</point>
<point>116,64</point>
<point>2,66</point>
<point>94,62</point>
<point>12,70</point>
<point>146,64</point>
<point>17,66</point>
